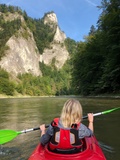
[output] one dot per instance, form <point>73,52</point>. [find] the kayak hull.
<point>92,152</point>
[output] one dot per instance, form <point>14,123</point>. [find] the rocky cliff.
<point>23,55</point>
<point>57,49</point>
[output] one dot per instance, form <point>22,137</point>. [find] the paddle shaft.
<point>46,126</point>
<point>32,129</point>
<point>84,117</point>
<point>104,112</point>
<point>8,135</point>
<point>95,114</point>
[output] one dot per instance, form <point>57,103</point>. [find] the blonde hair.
<point>71,113</point>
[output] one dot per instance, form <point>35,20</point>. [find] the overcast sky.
<point>75,17</point>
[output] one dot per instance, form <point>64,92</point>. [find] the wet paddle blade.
<point>7,135</point>
<point>111,110</point>
<point>104,112</point>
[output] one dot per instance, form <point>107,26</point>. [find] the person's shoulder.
<point>82,126</point>
<point>60,125</point>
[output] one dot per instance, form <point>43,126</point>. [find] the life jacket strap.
<point>68,137</point>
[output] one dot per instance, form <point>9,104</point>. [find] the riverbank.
<point>21,96</point>
<point>28,96</point>
<point>16,96</point>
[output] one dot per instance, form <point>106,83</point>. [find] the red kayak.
<point>90,151</point>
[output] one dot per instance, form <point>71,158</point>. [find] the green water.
<point>24,113</point>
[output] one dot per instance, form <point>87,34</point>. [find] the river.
<point>24,113</point>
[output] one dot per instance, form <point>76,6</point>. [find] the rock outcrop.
<point>23,55</point>
<point>57,49</point>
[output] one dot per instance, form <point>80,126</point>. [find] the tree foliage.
<point>6,86</point>
<point>97,62</point>
<point>8,29</point>
<point>43,33</point>
<point>53,82</point>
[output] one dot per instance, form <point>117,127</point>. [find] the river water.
<point>23,113</point>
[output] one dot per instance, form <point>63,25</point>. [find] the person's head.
<point>71,113</point>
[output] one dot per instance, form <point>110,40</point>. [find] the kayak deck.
<point>92,151</point>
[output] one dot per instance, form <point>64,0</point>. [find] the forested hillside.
<point>97,62</point>
<point>93,67</point>
<point>52,81</point>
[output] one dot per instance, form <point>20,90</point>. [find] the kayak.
<point>90,151</point>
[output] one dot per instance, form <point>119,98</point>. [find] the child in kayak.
<point>65,133</point>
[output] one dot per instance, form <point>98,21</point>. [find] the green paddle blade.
<point>111,110</point>
<point>7,135</point>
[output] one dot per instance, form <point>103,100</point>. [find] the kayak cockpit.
<point>89,151</point>
<point>73,150</point>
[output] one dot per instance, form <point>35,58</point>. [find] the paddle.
<point>8,135</point>
<point>104,112</point>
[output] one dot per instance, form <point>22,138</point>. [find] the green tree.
<point>97,62</point>
<point>110,26</point>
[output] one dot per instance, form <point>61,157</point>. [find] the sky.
<point>75,17</point>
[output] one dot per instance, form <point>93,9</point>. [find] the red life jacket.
<point>65,140</point>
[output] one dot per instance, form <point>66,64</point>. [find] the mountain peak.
<point>50,18</point>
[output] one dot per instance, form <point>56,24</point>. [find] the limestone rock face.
<point>50,18</point>
<point>22,55</point>
<point>11,16</point>
<point>57,49</point>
